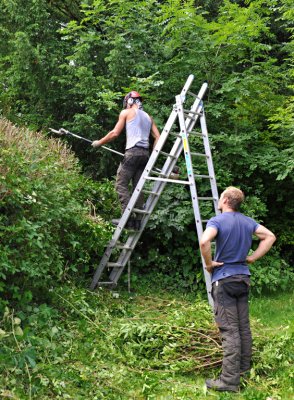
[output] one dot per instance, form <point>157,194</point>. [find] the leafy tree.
<point>70,63</point>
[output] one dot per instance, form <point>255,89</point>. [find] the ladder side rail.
<point>152,159</point>
<point>150,205</point>
<point>123,259</point>
<point>190,122</point>
<point>211,172</point>
<point>158,187</point>
<point>98,273</point>
<point>198,102</point>
<point>193,190</point>
<point>148,168</point>
<point>105,257</point>
<point>170,163</point>
<point>178,146</point>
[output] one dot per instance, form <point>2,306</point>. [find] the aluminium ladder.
<point>153,186</point>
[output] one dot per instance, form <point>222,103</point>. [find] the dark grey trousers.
<point>130,170</point>
<point>231,310</point>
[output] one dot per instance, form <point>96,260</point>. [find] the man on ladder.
<point>138,125</point>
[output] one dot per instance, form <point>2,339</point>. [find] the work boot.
<point>130,223</point>
<point>220,386</point>
<point>137,224</point>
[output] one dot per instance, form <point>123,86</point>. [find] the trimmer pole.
<point>68,133</point>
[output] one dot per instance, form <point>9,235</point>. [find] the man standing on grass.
<point>230,278</point>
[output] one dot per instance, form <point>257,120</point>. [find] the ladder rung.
<point>139,211</point>
<point>187,112</point>
<point>114,265</point>
<point>203,176</point>
<point>193,94</point>
<point>150,192</point>
<point>167,154</point>
<point>157,173</point>
<point>199,155</point>
<point>124,247</point>
<point>152,178</point>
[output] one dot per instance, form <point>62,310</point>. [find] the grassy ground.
<point>122,346</point>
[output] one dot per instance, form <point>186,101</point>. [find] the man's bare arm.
<point>155,133</point>
<point>205,247</point>
<point>114,133</point>
<point>267,239</point>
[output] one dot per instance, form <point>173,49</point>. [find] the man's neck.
<point>228,209</point>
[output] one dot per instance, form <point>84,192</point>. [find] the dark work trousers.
<point>130,170</point>
<point>231,310</point>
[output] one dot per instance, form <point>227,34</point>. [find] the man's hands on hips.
<point>214,264</point>
<point>96,143</point>
<point>250,259</point>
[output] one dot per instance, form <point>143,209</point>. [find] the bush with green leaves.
<point>51,220</point>
<point>70,63</point>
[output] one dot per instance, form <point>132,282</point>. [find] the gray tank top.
<point>138,130</point>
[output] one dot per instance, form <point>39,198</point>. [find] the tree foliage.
<point>70,63</point>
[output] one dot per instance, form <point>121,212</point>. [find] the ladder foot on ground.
<point>124,240</point>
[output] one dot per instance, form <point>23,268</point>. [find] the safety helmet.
<point>131,98</point>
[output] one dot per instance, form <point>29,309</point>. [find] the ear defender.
<point>131,98</point>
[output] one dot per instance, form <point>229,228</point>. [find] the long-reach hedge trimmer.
<point>64,132</point>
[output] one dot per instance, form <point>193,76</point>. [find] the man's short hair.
<point>235,197</point>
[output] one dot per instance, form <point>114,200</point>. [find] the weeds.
<point>100,346</point>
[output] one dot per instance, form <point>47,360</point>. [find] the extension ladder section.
<point>153,181</point>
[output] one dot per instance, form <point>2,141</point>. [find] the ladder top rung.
<point>206,198</point>
<point>139,211</point>
<point>193,94</point>
<point>114,265</point>
<point>124,247</point>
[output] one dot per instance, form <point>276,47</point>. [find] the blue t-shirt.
<point>233,242</point>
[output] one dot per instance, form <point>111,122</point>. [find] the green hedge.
<point>48,221</point>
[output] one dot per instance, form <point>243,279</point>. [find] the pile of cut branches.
<point>169,336</point>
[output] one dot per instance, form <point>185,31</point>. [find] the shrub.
<point>46,227</point>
